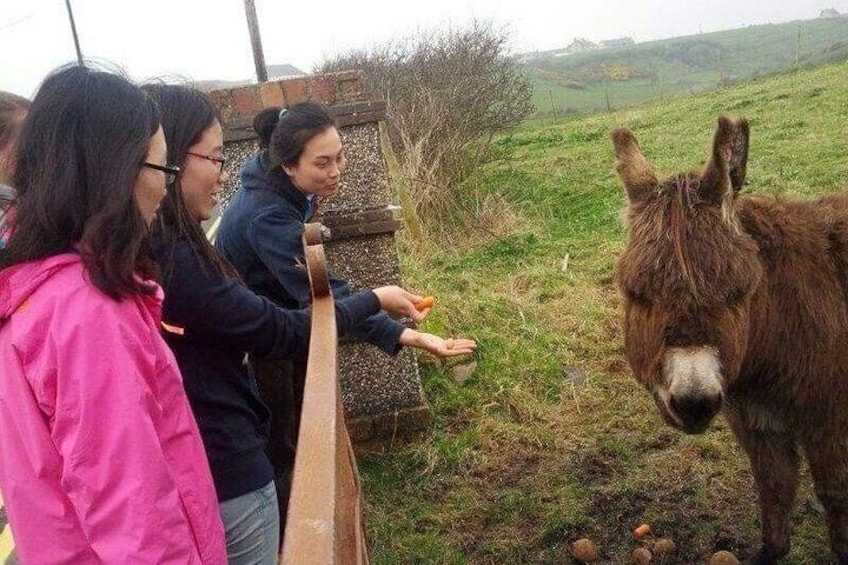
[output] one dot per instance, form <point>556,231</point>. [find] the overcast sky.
<point>208,39</point>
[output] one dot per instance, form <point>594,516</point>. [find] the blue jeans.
<point>252,527</point>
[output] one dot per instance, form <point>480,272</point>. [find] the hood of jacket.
<point>19,282</point>
<point>255,176</point>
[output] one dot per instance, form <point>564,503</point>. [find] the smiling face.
<point>150,184</point>
<point>202,177</point>
<point>319,169</point>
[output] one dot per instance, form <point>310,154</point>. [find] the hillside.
<point>552,439</point>
<point>617,77</point>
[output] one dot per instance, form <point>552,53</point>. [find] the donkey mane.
<point>670,225</point>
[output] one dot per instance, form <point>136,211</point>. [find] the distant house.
<point>579,45</point>
<point>618,42</point>
<point>280,72</point>
<point>830,13</point>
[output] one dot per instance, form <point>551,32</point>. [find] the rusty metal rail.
<point>324,523</point>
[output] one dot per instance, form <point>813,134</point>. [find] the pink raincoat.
<point>100,458</point>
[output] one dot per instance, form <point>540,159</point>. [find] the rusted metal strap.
<point>324,524</point>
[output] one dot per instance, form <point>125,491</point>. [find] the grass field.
<point>551,439</point>
<point>615,78</point>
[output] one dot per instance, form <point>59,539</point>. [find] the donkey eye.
<point>735,297</point>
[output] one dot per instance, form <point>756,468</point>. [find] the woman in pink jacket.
<point>100,458</point>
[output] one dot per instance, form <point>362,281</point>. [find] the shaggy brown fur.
<point>761,285</point>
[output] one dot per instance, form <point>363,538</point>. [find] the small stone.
<point>463,371</point>
<point>664,546</point>
<point>584,550</point>
<point>641,556</point>
<point>575,374</point>
<point>723,558</point>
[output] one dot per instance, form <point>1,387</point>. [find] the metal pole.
<point>255,41</point>
<point>74,32</point>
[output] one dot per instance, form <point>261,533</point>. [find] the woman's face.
<point>320,166</point>
<point>150,183</point>
<point>7,153</point>
<point>203,176</point>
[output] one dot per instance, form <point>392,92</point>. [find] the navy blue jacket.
<point>260,235</point>
<point>211,323</point>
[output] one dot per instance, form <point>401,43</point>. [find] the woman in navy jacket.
<point>301,162</point>
<point>212,322</point>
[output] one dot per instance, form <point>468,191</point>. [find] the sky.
<point>208,39</point>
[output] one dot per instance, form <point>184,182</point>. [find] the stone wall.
<point>382,394</point>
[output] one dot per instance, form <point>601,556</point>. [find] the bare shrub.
<point>448,92</point>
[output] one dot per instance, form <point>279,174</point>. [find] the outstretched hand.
<point>437,345</point>
<point>397,301</point>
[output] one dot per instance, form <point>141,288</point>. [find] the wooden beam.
<point>255,41</point>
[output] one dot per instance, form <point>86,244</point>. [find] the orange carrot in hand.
<point>426,302</point>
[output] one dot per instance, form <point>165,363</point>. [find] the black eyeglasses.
<point>214,158</point>
<point>170,171</point>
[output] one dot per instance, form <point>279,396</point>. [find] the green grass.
<point>551,439</point>
<point>653,71</point>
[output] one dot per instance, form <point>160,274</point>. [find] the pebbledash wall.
<point>382,395</point>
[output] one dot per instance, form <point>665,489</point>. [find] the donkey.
<point>740,304</point>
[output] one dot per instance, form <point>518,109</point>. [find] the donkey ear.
<point>635,173</point>
<point>738,163</point>
<point>728,163</point>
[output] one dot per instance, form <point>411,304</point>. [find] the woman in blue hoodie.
<point>301,162</point>
<point>212,321</point>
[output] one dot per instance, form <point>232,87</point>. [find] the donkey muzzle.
<point>690,394</point>
<point>694,414</point>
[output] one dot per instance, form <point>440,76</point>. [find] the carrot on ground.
<point>426,302</point>
<point>642,531</point>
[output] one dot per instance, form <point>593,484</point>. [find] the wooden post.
<point>553,106</point>
<point>255,41</point>
<point>74,31</point>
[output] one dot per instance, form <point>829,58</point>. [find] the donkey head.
<point>687,276</point>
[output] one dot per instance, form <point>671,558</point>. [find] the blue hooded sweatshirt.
<point>260,234</point>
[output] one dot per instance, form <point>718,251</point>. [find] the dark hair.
<point>80,151</point>
<point>186,114</point>
<point>13,108</point>
<point>284,138</point>
<point>264,124</point>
